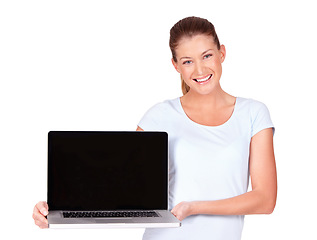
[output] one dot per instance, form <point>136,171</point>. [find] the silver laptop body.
<point>108,180</point>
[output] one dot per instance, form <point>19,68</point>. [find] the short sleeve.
<point>260,118</point>
<point>151,119</point>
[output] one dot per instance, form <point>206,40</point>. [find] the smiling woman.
<point>199,60</point>
<point>186,29</point>
<point>216,142</point>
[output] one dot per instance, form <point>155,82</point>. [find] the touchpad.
<point>117,220</point>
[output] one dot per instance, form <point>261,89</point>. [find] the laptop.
<point>108,180</point>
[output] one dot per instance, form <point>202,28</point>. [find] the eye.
<point>187,62</point>
<point>207,56</point>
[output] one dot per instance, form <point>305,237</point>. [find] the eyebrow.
<point>201,54</point>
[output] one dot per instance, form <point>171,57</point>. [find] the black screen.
<point>107,170</point>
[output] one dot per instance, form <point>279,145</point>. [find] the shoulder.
<point>257,112</point>
<point>163,107</point>
<point>250,103</point>
<point>159,115</point>
<point>251,106</point>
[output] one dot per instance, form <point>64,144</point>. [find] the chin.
<point>202,92</point>
<point>207,88</point>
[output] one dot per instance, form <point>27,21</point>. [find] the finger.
<point>174,212</point>
<point>37,216</point>
<point>41,224</point>
<point>43,208</point>
<point>178,217</point>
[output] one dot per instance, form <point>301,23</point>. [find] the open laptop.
<point>108,179</point>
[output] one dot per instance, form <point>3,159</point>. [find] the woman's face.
<point>199,62</point>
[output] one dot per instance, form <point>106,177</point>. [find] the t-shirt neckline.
<point>207,126</point>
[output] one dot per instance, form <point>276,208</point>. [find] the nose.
<point>199,68</point>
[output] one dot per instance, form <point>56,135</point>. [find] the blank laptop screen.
<point>107,170</point>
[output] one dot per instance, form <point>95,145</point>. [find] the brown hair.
<point>190,27</point>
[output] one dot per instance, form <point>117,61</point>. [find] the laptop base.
<point>166,220</point>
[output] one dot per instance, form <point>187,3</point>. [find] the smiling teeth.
<point>204,79</point>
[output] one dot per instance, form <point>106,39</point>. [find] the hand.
<point>182,210</point>
<point>39,213</point>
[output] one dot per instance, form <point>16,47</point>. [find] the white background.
<point>99,65</point>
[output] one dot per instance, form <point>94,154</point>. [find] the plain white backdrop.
<point>99,65</point>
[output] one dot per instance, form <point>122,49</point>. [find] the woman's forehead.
<point>196,44</point>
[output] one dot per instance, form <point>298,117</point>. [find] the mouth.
<point>203,80</point>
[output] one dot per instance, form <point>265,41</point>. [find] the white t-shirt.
<point>206,163</point>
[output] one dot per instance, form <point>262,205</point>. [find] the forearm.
<point>262,198</point>
<point>253,202</point>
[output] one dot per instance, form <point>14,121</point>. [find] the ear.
<point>223,53</point>
<point>175,65</point>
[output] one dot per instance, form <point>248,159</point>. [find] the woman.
<point>215,142</point>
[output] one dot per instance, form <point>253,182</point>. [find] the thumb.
<point>44,208</point>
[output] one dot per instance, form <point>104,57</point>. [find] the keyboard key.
<point>109,214</point>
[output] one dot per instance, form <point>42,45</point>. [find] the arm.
<point>262,198</point>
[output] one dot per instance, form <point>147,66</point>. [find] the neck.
<point>214,100</point>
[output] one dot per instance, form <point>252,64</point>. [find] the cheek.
<point>216,65</point>
<point>186,72</point>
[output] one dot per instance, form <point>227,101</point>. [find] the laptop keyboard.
<point>110,214</point>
